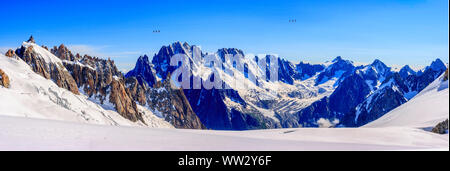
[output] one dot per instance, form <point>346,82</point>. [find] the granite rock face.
<point>101,81</point>
<point>49,69</point>
<point>137,90</point>
<point>172,104</point>
<point>422,79</point>
<point>212,105</point>
<point>350,92</point>
<point>441,128</point>
<point>143,71</point>
<point>123,103</point>
<point>4,79</point>
<point>10,53</point>
<point>446,75</point>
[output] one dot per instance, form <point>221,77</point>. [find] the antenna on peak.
<point>31,39</point>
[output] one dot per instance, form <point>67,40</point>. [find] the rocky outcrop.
<point>31,39</point>
<point>143,71</point>
<point>48,69</point>
<point>10,53</point>
<point>161,60</point>
<point>4,79</point>
<point>224,109</point>
<point>123,103</point>
<point>351,92</point>
<point>446,75</point>
<point>406,71</point>
<point>441,128</point>
<point>377,105</point>
<point>337,69</point>
<point>137,90</point>
<point>306,70</point>
<point>62,52</point>
<point>100,80</point>
<point>421,80</point>
<point>172,104</point>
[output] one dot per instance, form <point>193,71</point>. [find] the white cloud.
<point>325,123</point>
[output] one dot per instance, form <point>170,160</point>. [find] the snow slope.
<point>33,134</point>
<point>31,95</point>
<point>426,109</point>
<point>34,97</point>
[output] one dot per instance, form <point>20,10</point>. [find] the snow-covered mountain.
<point>26,134</point>
<point>83,89</point>
<point>334,94</point>
<point>31,95</point>
<point>305,95</point>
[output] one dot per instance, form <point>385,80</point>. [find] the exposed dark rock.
<point>10,53</point>
<point>286,71</point>
<point>4,79</point>
<point>229,51</point>
<point>351,92</point>
<point>143,71</point>
<point>31,39</point>
<point>161,61</point>
<point>137,90</point>
<point>173,105</point>
<point>64,53</point>
<point>212,109</point>
<point>406,71</point>
<point>446,75</point>
<point>339,66</point>
<point>421,80</point>
<point>441,128</point>
<point>305,70</point>
<point>122,101</point>
<point>100,78</point>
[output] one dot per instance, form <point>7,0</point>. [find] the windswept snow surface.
<point>425,110</point>
<point>33,134</point>
<point>31,95</point>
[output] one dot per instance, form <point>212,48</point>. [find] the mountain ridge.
<point>305,95</point>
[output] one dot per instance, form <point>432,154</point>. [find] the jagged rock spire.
<point>31,39</point>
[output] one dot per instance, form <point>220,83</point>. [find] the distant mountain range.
<point>334,94</point>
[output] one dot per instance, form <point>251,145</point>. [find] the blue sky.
<point>398,32</point>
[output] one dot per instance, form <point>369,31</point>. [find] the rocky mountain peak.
<point>47,65</point>
<point>161,60</point>
<point>179,47</point>
<point>337,69</point>
<point>405,71</point>
<point>173,105</point>
<point>4,79</point>
<point>229,51</point>
<point>446,75</point>
<point>143,71</point>
<point>437,65</point>
<point>62,52</point>
<point>31,39</point>
<point>10,53</point>
<point>378,64</point>
<point>337,59</point>
<point>381,69</point>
